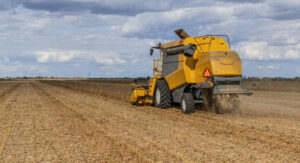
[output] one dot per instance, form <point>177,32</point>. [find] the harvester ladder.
<point>157,64</point>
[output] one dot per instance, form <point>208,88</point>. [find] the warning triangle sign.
<point>206,73</point>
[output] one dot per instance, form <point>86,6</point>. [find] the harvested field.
<point>110,88</point>
<point>69,122</point>
<point>282,85</point>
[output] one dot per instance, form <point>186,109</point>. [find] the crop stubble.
<point>59,124</point>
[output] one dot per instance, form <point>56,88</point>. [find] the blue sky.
<point>111,38</point>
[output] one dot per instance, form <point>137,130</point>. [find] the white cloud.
<point>109,59</point>
<point>53,55</point>
<point>263,51</point>
<point>265,33</point>
<point>259,50</point>
<point>292,54</point>
<point>271,66</point>
<point>145,21</point>
<point>275,67</point>
<point>4,60</point>
<point>17,68</point>
<point>155,21</point>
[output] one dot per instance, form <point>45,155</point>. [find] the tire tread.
<point>189,102</point>
<point>166,98</point>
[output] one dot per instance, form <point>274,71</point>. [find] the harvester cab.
<point>193,70</point>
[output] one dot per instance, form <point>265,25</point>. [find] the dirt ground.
<point>45,123</point>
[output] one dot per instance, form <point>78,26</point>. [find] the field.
<point>92,121</point>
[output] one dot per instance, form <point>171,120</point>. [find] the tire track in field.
<point>7,134</point>
<point>132,132</point>
<point>112,118</point>
<point>41,129</point>
<point>8,100</point>
<point>221,129</point>
<point>7,92</point>
<point>159,147</point>
<point>227,131</point>
<point>112,137</point>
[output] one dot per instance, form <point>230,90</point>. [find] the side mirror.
<point>151,52</point>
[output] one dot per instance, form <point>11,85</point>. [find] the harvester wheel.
<point>162,96</point>
<point>187,103</point>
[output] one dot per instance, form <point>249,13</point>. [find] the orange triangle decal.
<point>206,73</point>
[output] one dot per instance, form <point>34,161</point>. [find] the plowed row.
<point>43,123</point>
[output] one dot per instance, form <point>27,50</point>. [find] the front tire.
<point>163,98</point>
<point>187,103</point>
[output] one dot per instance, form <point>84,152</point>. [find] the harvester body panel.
<point>212,53</point>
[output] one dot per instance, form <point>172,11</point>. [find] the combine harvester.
<point>193,70</point>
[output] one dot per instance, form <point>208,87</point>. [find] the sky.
<point>111,38</point>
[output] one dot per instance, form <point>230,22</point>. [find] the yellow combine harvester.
<point>193,70</point>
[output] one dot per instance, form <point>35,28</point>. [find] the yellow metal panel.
<point>226,65</point>
<point>205,44</point>
<point>177,78</point>
<point>138,95</point>
<point>152,83</point>
<point>192,68</point>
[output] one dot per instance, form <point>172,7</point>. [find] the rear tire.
<point>187,103</point>
<point>162,96</point>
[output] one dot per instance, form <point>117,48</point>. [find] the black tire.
<point>187,103</point>
<point>162,95</point>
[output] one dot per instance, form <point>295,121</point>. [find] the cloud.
<point>112,35</point>
<point>262,50</point>
<point>292,54</point>
<point>275,67</point>
<point>9,4</point>
<point>109,59</point>
<point>54,55</point>
<point>239,1</point>
<point>4,60</point>
<point>284,10</point>
<point>112,7</point>
<point>259,50</point>
<point>159,24</point>
<point>147,21</point>
<point>260,67</point>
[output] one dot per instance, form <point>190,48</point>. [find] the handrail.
<point>226,36</point>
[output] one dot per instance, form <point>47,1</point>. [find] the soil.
<point>45,123</point>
